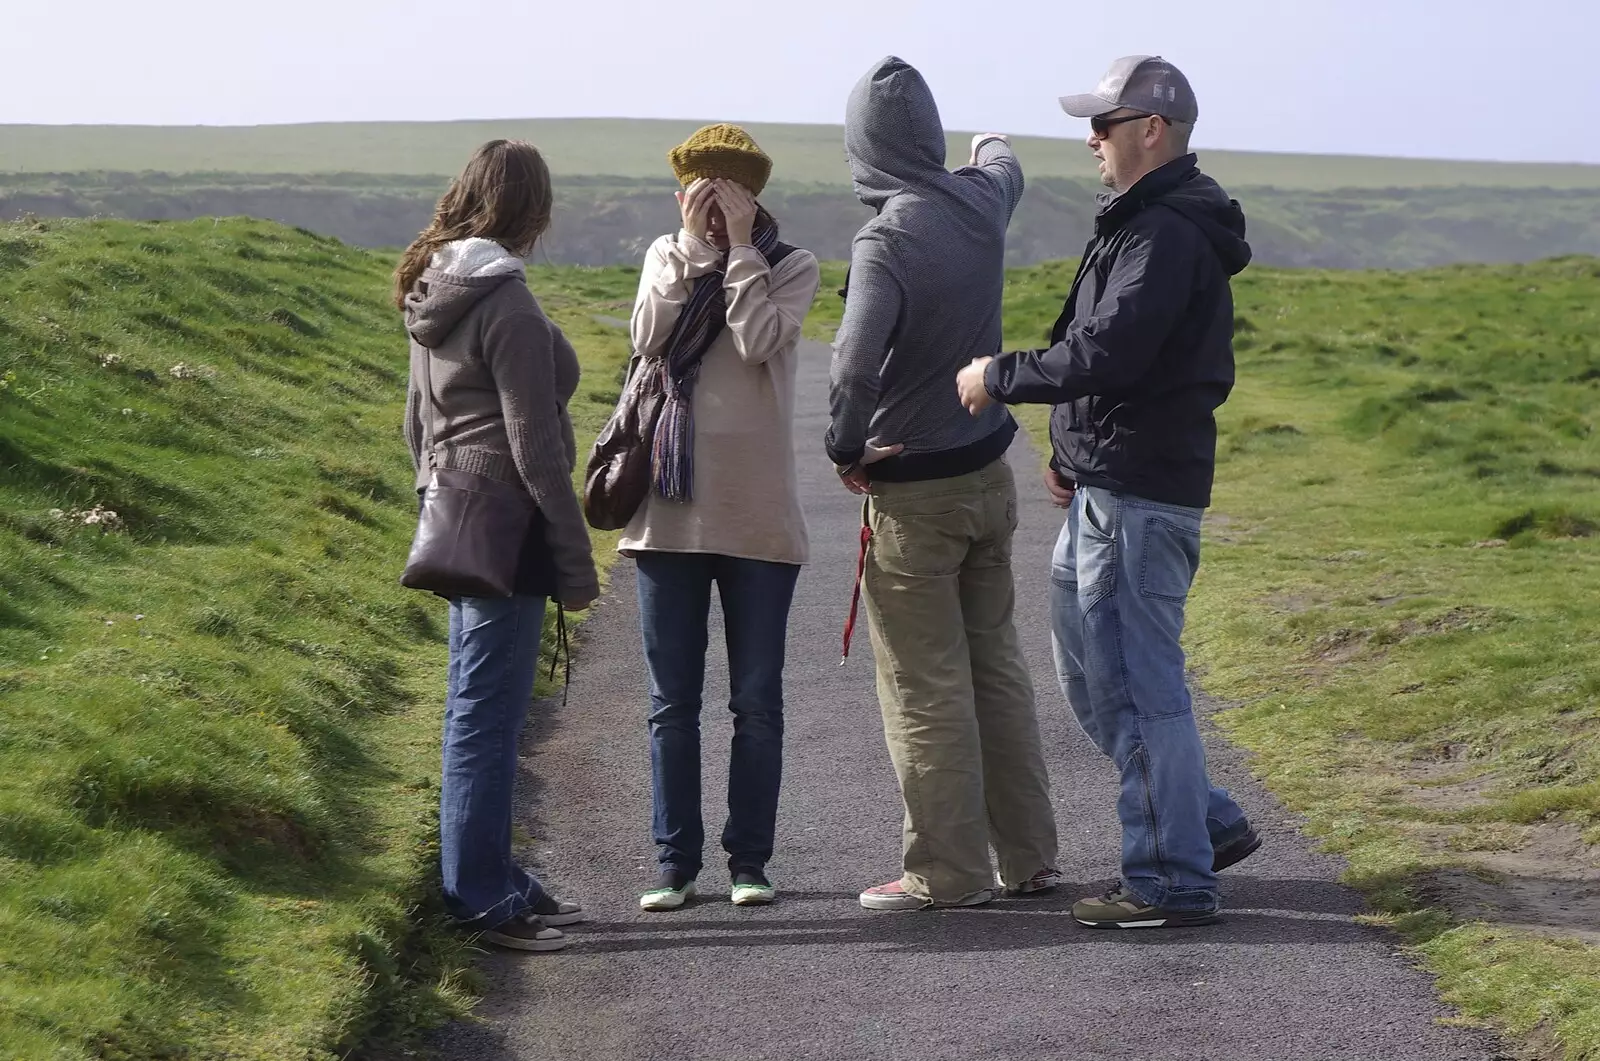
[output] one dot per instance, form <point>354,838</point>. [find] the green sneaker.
<point>1120,908</point>
<point>751,888</point>
<point>672,892</point>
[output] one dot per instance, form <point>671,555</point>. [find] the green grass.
<point>638,148</point>
<point>218,716</point>
<point>218,713</point>
<point>1401,588</point>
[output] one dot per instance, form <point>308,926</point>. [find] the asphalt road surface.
<point>1287,975</point>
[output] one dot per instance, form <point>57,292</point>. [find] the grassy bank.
<point>1401,594</point>
<point>219,714</point>
<point>218,710</point>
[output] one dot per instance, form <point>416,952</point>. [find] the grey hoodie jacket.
<point>926,277</point>
<point>502,376</point>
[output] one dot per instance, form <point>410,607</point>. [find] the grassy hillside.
<point>219,714</point>
<point>1401,593</point>
<point>638,148</point>
<point>218,710</point>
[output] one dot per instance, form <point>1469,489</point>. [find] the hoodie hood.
<point>892,133</point>
<point>1179,185</point>
<point>459,276</point>
<point>1203,201</point>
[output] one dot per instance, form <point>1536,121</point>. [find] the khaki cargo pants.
<point>956,695</point>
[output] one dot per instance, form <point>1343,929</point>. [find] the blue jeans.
<point>494,654</point>
<point>1119,580</point>
<point>674,604</point>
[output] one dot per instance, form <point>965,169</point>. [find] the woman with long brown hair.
<point>491,376</point>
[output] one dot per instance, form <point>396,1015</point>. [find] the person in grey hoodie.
<point>491,376</point>
<point>923,300</point>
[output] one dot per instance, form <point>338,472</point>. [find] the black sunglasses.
<point>1102,126</point>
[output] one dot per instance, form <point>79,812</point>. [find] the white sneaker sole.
<point>895,903</point>
<point>558,920</point>
<point>1197,921</point>
<point>556,941</point>
<point>658,901</point>
<point>753,896</point>
<point>903,903</point>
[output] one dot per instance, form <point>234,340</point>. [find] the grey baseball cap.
<point>1145,83</point>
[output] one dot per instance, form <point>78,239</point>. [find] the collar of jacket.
<point>1116,209</point>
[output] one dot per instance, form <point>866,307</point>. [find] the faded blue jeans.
<point>674,605</point>
<point>1120,578</point>
<point>494,654</point>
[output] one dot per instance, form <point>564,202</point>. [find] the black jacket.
<point>1142,354</point>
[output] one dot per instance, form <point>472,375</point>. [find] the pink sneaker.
<point>893,896</point>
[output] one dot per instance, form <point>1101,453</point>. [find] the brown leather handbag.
<point>617,478</point>
<point>470,532</point>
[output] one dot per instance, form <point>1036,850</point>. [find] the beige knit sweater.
<point>746,495</point>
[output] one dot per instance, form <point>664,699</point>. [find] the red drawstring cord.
<point>855,592</point>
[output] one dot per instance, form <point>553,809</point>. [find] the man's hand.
<point>578,603</point>
<point>969,384</point>
<point>980,138</point>
<point>694,203</point>
<point>738,211</point>
<point>1062,491</point>
<point>855,476</point>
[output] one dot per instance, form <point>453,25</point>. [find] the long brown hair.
<point>503,194</point>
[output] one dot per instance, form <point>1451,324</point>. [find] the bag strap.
<point>634,361</point>
<point>780,251</point>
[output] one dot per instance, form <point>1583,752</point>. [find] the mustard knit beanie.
<point>725,151</point>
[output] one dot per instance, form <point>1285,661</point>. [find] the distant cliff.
<point>606,221</point>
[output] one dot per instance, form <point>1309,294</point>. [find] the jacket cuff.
<point>993,379</point>
<point>587,587</point>
<point>844,458</point>
<point>991,149</point>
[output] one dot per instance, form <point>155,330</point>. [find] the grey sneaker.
<point>1120,908</point>
<point>525,932</point>
<point>1235,850</point>
<point>554,912</point>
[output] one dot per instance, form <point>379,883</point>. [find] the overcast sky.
<point>1432,78</point>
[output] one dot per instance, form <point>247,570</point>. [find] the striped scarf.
<point>702,319</point>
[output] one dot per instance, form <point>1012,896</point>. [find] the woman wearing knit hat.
<point>719,312</point>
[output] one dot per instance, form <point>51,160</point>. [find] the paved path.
<point>1287,975</point>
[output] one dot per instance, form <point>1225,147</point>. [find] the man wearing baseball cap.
<point>1139,361</point>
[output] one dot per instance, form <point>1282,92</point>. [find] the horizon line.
<point>817,125</point>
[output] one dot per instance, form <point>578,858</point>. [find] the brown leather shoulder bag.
<point>617,478</point>
<point>470,531</point>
